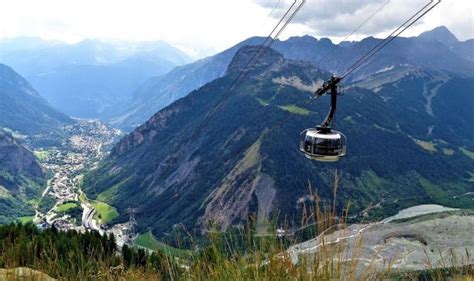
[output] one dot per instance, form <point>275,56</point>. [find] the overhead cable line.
<point>314,98</point>
<point>270,38</point>
<point>395,33</point>
<point>414,18</point>
<point>354,31</point>
<point>271,12</point>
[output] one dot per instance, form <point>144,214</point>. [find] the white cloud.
<point>192,25</point>
<point>337,18</point>
<point>204,26</point>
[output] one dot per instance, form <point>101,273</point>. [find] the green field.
<point>105,212</point>
<point>427,145</point>
<point>295,109</point>
<point>109,194</point>
<point>147,240</point>
<point>26,219</point>
<point>65,207</point>
<point>41,155</point>
<point>14,134</point>
<point>466,152</point>
<point>448,151</point>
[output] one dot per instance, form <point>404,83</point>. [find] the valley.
<point>62,203</point>
<point>150,156</point>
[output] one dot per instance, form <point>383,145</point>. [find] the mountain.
<point>158,92</point>
<point>21,179</point>
<point>23,110</point>
<point>429,51</point>
<point>465,49</point>
<point>409,141</point>
<point>440,34</point>
<point>435,50</point>
<point>89,79</point>
<point>96,91</point>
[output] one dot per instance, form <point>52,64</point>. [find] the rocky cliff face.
<point>21,179</point>
<point>16,160</point>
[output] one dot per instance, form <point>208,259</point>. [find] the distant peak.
<point>441,34</point>
<point>6,138</point>
<point>266,57</point>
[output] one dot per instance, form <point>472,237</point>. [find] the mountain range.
<point>23,110</point>
<point>89,79</point>
<point>408,122</point>
<point>407,114</point>
<point>451,56</point>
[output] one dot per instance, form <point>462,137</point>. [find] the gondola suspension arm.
<point>331,86</point>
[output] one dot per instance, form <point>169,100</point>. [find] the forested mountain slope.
<point>22,109</point>
<point>409,142</point>
<point>21,179</point>
<point>437,50</point>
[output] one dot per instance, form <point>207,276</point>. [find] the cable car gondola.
<point>323,143</point>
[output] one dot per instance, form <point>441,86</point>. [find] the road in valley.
<point>85,144</point>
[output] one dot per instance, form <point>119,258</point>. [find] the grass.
<point>467,152</point>
<point>23,273</point>
<point>148,241</point>
<point>295,109</point>
<point>14,134</point>
<point>4,193</point>
<point>427,145</point>
<point>448,151</point>
<point>26,219</point>
<point>109,194</point>
<point>105,212</point>
<point>349,119</point>
<point>41,155</point>
<point>240,254</point>
<point>433,190</point>
<point>369,180</point>
<point>82,197</point>
<point>34,202</point>
<point>263,102</point>
<point>65,207</point>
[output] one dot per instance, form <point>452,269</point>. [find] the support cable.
<point>409,22</point>
<point>270,38</point>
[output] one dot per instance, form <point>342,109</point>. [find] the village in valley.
<point>67,207</point>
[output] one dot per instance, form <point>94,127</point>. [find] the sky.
<point>204,27</point>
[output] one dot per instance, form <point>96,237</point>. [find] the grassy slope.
<point>105,212</point>
<point>66,206</point>
<point>147,240</point>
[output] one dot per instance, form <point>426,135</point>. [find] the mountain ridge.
<point>241,164</point>
<point>91,78</point>
<point>23,109</point>
<point>21,179</point>
<point>158,92</point>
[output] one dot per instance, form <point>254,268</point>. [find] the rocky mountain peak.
<point>440,34</point>
<point>266,58</point>
<point>5,139</point>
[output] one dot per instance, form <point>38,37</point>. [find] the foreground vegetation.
<point>71,255</point>
<point>239,254</point>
